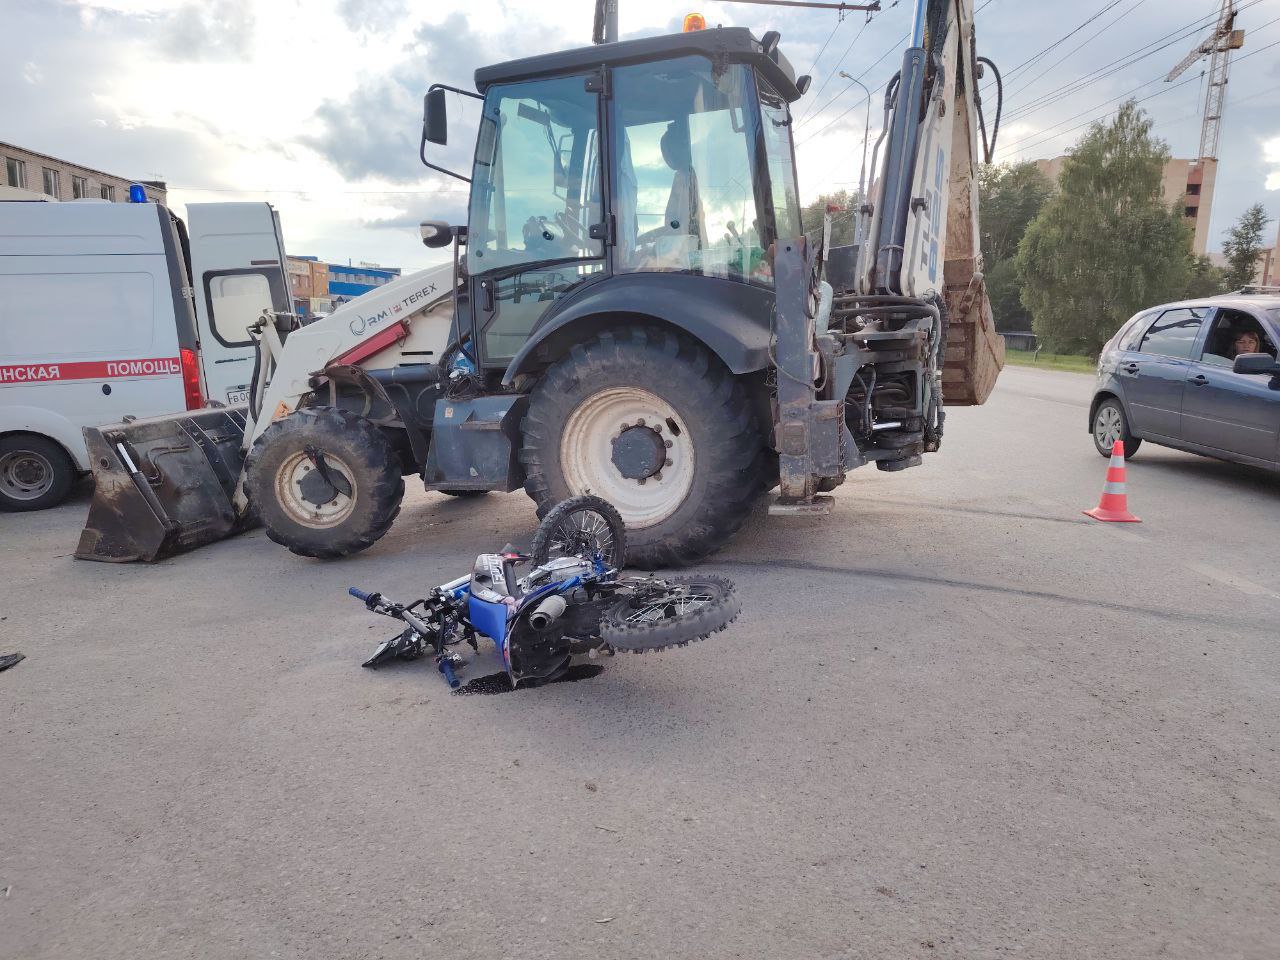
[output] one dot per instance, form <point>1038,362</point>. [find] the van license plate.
<point>237,396</point>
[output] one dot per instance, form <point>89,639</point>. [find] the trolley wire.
<point>1037,138</point>
<point>1115,66</point>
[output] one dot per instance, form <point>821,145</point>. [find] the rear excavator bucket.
<point>163,486</point>
<point>975,351</point>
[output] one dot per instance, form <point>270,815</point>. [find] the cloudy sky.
<point>316,106</point>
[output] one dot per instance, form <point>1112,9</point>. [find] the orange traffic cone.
<point>1114,505</point>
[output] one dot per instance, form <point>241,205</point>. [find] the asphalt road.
<point>956,719</point>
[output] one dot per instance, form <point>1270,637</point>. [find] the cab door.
<point>535,230</point>
<point>237,271</point>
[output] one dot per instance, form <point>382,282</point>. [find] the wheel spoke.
<point>669,607</point>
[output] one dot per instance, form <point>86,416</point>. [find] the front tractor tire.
<point>325,482</point>
<point>657,426</point>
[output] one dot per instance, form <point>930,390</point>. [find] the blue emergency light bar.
<point>137,194</point>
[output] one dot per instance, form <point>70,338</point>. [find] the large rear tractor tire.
<point>325,482</point>
<point>657,426</point>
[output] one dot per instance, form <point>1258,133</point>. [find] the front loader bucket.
<point>163,486</point>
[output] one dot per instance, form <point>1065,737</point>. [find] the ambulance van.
<point>115,310</point>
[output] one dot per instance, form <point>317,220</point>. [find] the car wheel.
<point>1109,425</point>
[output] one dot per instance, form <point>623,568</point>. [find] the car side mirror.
<point>1256,363</point>
<point>435,117</point>
<point>436,233</point>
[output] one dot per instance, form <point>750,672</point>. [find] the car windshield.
<point>1274,314</point>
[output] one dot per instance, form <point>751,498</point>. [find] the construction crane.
<point>1217,47</point>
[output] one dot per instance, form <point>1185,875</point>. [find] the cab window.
<point>775,120</point>
<point>687,199</point>
<point>536,189</point>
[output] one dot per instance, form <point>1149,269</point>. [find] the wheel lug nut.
<point>658,475</point>
<point>666,462</point>
<point>667,444</point>
<point>641,481</point>
<point>640,422</point>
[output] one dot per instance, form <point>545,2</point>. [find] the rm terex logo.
<point>359,324</point>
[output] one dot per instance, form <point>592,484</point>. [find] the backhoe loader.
<point>630,311</point>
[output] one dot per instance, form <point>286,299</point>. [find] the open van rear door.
<point>238,270</point>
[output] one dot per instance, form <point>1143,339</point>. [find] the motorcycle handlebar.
<point>447,669</point>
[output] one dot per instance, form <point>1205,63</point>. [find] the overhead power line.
<point>1115,66</point>
<point>835,69</point>
<point>1038,140</point>
<point>812,114</point>
<point>1014,71</point>
<point>1105,28</point>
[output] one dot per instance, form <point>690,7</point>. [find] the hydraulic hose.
<point>254,407</point>
<point>989,149</point>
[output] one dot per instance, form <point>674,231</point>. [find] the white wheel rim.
<point>289,492</point>
<point>586,454</point>
<point>1106,427</point>
<point>25,475</point>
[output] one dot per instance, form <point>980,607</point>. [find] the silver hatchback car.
<point>1200,375</point>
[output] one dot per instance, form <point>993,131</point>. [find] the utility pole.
<point>606,25</point>
<point>866,135</point>
<point>1217,47</point>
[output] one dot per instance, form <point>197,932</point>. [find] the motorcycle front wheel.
<point>670,612</point>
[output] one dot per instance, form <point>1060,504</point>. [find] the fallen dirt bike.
<point>573,603</point>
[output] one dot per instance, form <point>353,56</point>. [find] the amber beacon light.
<point>694,21</point>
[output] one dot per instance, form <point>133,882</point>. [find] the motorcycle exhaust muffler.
<point>547,612</point>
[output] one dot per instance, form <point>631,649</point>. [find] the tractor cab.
<point>654,159</point>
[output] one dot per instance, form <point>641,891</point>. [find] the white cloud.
<point>1271,154</point>
<point>316,106</point>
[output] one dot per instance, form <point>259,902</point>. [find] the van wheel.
<point>35,473</point>
<point>325,482</point>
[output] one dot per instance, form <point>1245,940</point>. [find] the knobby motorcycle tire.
<point>540,549</point>
<point>698,624</point>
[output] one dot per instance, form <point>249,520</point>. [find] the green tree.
<point>1242,246</point>
<point>1010,196</point>
<point>1105,245</point>
<point>842,221</point>
<point>1204,279</point>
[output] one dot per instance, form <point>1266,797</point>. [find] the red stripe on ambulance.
<point>90,370</point>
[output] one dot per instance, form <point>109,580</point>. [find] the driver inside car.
<point>1246,341</point>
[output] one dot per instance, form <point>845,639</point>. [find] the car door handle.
<point>1199,380</point>
<point>1130,367</point>
<point>231,360</point>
